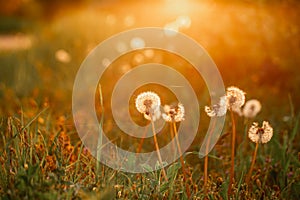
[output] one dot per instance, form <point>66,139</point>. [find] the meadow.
<point>256,47</point>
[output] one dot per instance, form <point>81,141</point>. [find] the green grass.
<point>37,163</point>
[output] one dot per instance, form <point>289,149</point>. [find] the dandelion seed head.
<point>148,103</point>
<point>235,98</point>
<point>218,109</point>
<point>210,111</point>
<point>173,113</point>
<point>251,108</point>
<point>260,134</point>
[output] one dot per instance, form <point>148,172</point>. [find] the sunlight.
<point>179,6</point>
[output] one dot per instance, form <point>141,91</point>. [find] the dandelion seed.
<point>173,113</point>
<point>260,134</point>
<point>218,109</point>
<point>148,103</point>
<point>235,98</point>
<point>251,108</point>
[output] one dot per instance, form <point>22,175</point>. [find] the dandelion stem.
<point>99,140</point>
<point>232,153</point>
<point>205,174</point>
<point>172,136</point>
<point>252,164</point>
<point>206,159</point>
<point>181,161</point>
<point>157,151</point>
<point>142,141</point>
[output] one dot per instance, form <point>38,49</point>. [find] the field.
<point>255,45</point>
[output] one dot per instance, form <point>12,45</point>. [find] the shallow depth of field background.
<point>255,45</point>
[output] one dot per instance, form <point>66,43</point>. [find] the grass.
<point>40,161</point>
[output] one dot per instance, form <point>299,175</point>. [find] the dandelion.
<point>148,103</point>
<point>175,114</point>
<point>251,108</point>
<point>258,135</point>
<point>218,109</point>
<point>235,99</point>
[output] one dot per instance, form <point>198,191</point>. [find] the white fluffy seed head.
<point>235,98</point>
<point>251,108</point>
<point>148,103</point>
<point>260,134</point>
<point>173,113</point>
<point>218,109</point>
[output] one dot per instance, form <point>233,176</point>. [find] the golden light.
<point>179,6</point>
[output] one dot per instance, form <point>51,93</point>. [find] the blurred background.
<point>255,44</point>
